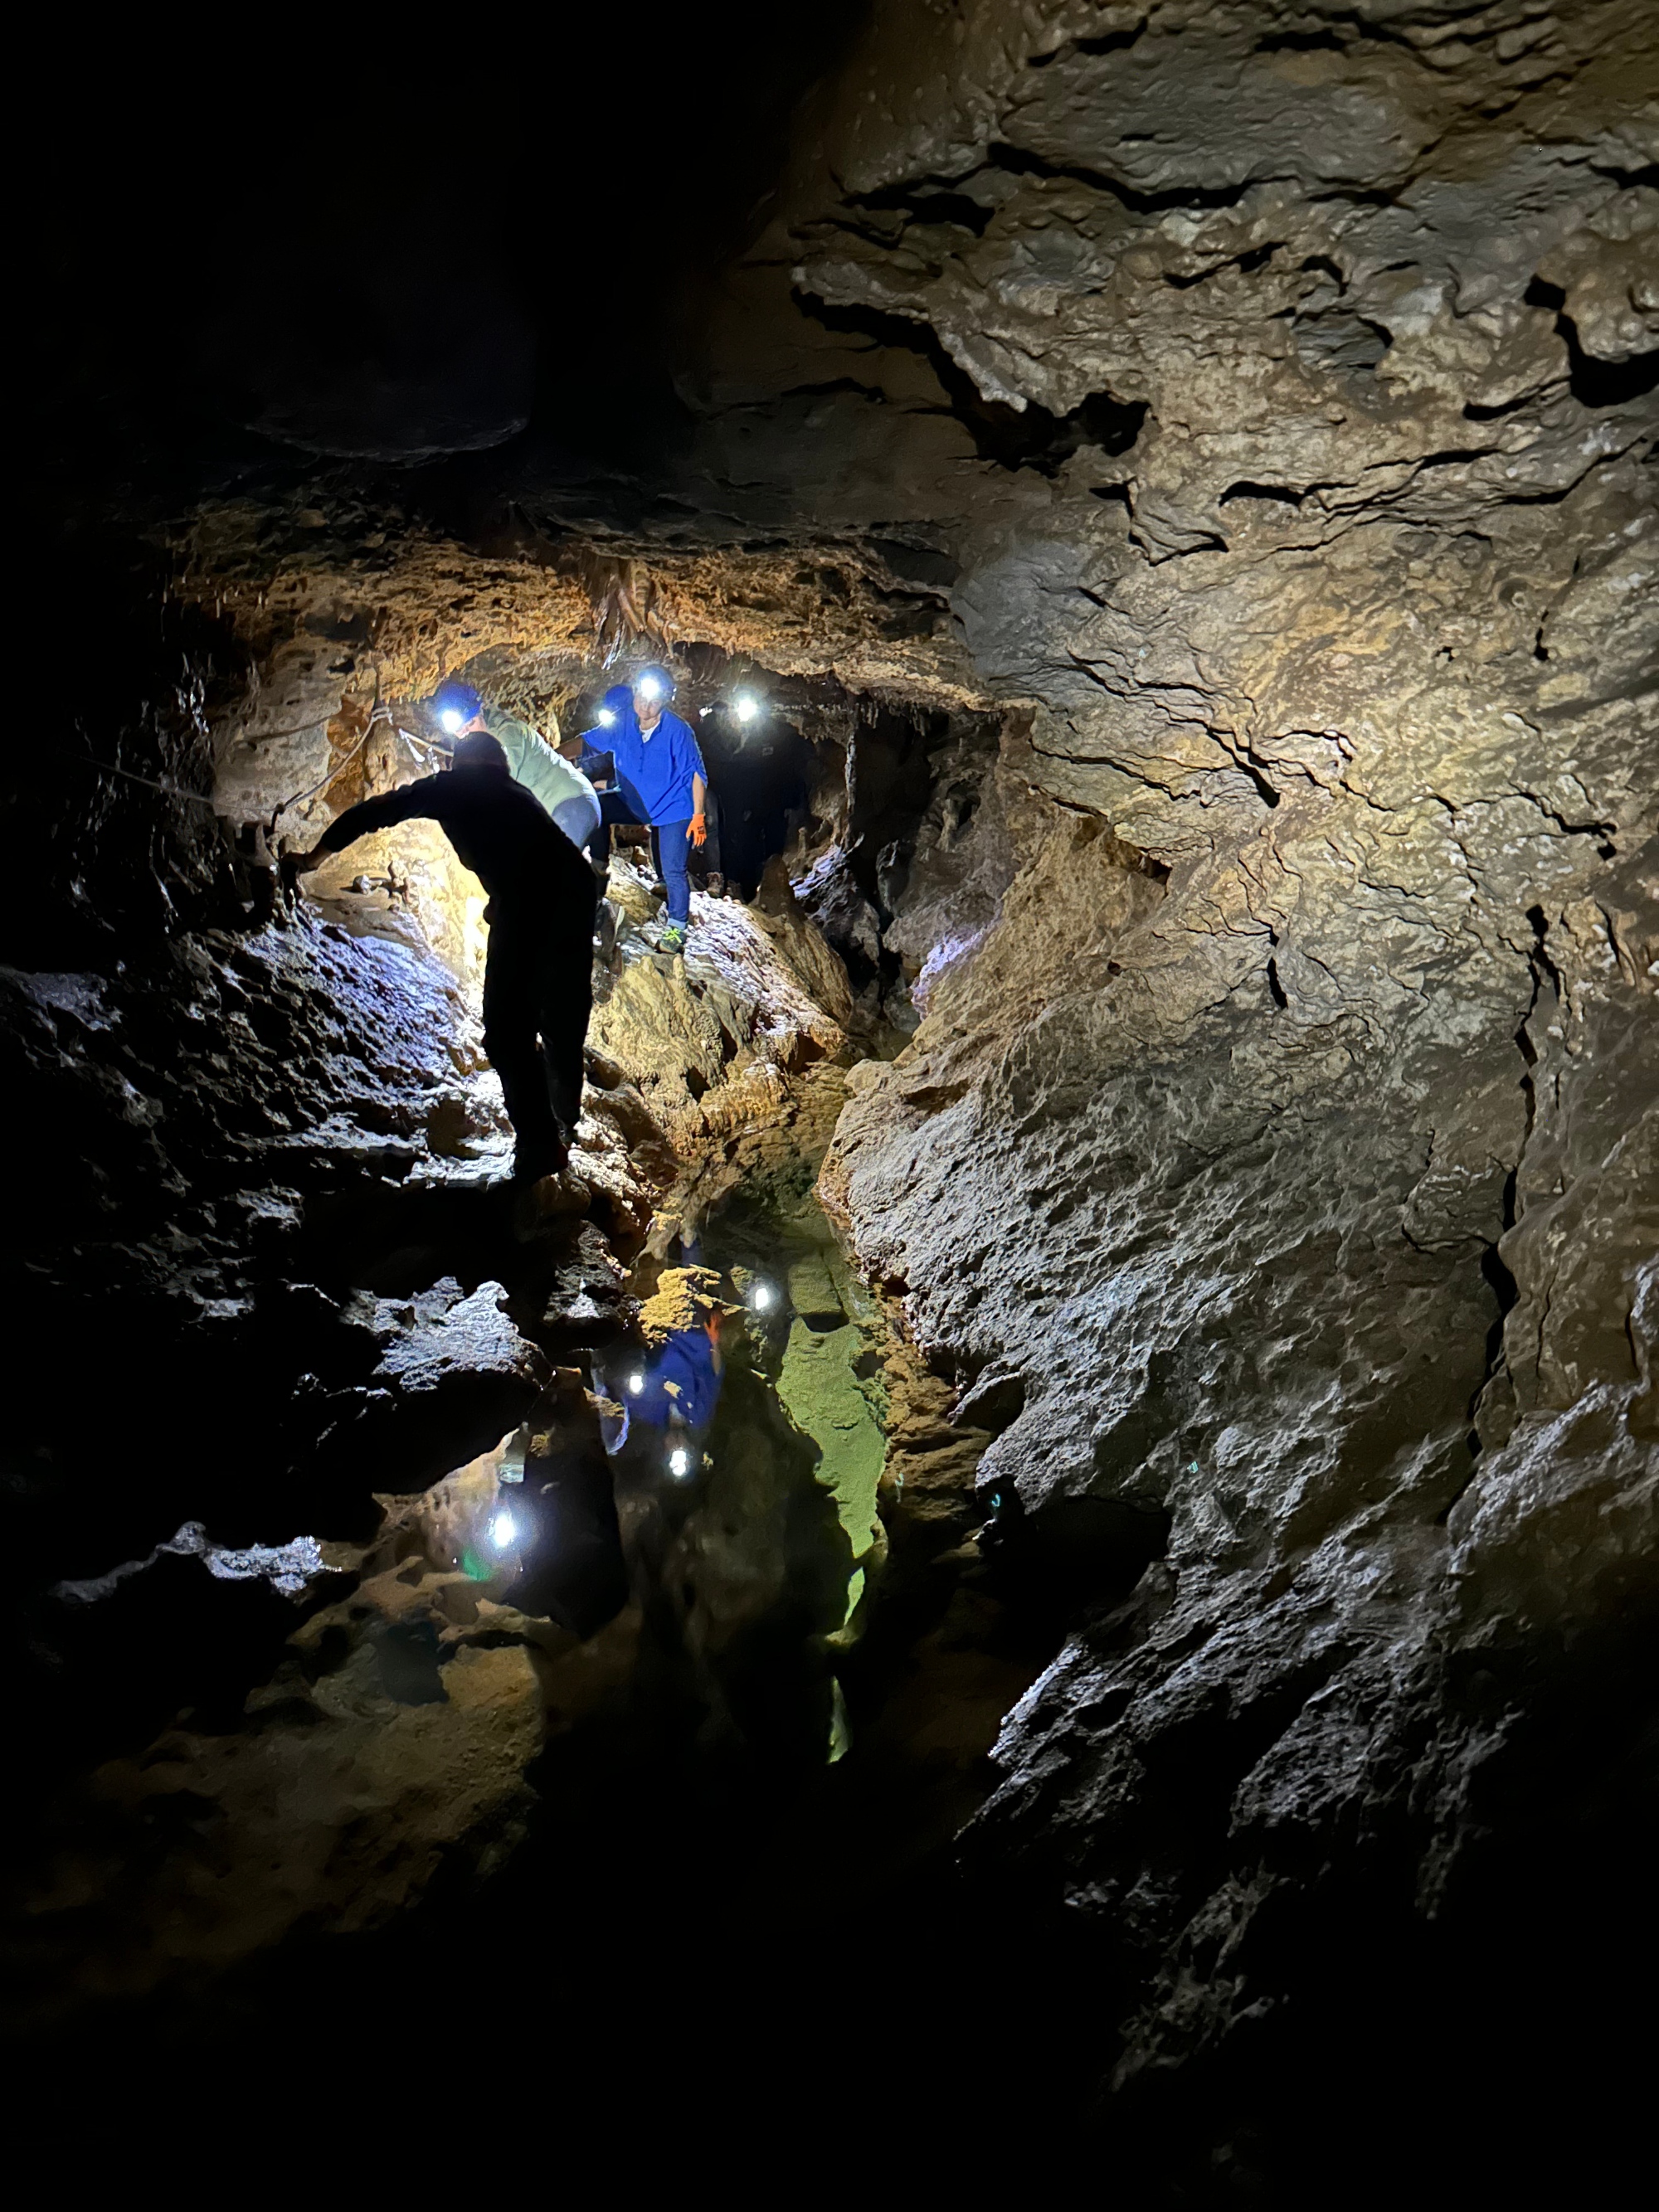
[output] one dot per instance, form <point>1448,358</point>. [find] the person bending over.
<point>560,784</point>
<point>661,783</point>
<point>539,985</point>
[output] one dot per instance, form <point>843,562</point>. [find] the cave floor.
<point>669,1787</point>
<point>719,1875</point>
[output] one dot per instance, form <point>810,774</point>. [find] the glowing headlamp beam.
<point>745,706</point>
<point>503,1530</point>
<point>649,687</point>
<point>607,719</point>
<point>453,720</point>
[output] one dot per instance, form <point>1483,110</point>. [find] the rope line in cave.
<point>167,790</point>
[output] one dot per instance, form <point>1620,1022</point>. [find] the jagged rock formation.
<point>1272,1213</point>
<point>1188,469</point>
<point>267,1150</point>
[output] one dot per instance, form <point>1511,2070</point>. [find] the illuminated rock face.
<point>1242,419</point>
<point>1308,1202</point>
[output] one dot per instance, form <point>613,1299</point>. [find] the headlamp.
<point>451,720</point>
<point>607,719</point>
<point>502,1531</point>
<point>745,706</point>
<point>761,1297</point>
<point>649,688</point>
<point>679,1461</point>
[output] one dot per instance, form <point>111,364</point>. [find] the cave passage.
<point>761,774</point>
<point>1038,1557</point>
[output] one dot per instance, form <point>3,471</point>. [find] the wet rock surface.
<point>1193,464</point>
<point>1225,1191</point>
<point>254,1733</point>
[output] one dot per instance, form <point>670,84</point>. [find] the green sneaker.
<point>673,939</point>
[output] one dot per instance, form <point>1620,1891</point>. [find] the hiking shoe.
<point>673,939</point>
<point>531,1166</point>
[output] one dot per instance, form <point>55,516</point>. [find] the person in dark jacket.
<point>538,992</point>
<point>660,782</point>
<point>561,785</point>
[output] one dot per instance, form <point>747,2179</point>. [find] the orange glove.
<point>698,833</point>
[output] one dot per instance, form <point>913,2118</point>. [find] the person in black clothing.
<point>538,986</point>
<point>763,773</point>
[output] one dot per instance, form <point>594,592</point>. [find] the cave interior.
<point>1043,1559</point>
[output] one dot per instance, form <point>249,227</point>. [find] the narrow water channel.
<point>740,1419</point>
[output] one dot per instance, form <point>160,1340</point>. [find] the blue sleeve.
<point>691,754</point>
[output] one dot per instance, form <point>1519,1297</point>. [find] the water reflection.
<point>659,1399</point>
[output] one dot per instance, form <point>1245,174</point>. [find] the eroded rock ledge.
<point>1239,418</point>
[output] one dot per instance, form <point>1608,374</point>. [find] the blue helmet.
<point>616,706</point>
<point>454,704</point>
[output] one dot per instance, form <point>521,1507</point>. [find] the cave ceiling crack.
<point>1001,155</point>
<point>1136,774</point>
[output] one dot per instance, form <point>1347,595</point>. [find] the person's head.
<point>479,751</point>
<point>617,704</point>
<point>654,687</point>
<point>456,707</point>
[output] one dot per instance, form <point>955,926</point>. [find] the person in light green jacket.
<point>562,789</point>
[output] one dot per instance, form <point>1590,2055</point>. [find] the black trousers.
<point>538,995</point>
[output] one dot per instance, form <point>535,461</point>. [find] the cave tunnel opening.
<point>315,1310</point>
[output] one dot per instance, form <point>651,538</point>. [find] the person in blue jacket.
<point>660,783</point>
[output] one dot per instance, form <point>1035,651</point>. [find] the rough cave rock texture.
<point>1243,417</point>
<point>1303,1206</point>
<point>327,1781</point>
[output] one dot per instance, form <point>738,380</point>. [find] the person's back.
<point>502,832</point>
<point>499,828</point>
<point>561,785</point>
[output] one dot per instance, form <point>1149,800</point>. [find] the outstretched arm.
<point>379,813</point>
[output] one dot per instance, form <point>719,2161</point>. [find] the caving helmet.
<point>454,704</point>
<point>654,683</point>
<point>617,702</point>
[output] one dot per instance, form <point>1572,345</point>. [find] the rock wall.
<point>1238,417</point>
<point>267,1275</point>
<point>1290,1215</point>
